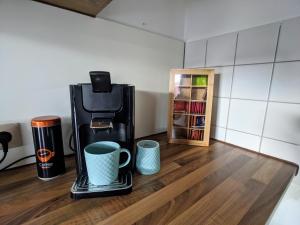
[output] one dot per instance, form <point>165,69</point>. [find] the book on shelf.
<point>196,135</point>
<point>181,106</point>
<point>197,107</point>
<point>185,81</point>
<point>182,80</point>
<point>199,80</point>
<point>182,93</point>
<point>180,120</point>
<point>197,121</point>
<point>199,94</point>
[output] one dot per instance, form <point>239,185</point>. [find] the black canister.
<point>49,152</point>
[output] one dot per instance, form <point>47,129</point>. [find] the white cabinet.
<point>221,50</point>
<point>289,40</point>
<point>252,81</point>
<point>257,45</point>
<point>248,141</point>
<point>286,82</point>
<point>220,111</point>
<point>247,116</point>
<point>195,54</point>
<point>282,122</point>
<point>223,79</point>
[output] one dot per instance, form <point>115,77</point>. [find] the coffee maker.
<point>102,111</point>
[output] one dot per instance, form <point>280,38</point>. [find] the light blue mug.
<point>102,161</point>
<point>148,157</point>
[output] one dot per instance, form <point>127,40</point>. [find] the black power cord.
<point>70,143</point>
<point>9,165</point>
<point>29,156</point>
<point>5,138</point>
<point>3,157</point>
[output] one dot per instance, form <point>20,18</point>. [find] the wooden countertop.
<point>218,185</point>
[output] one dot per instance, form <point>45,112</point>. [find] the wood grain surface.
<point>216,185</point>
<point>87,7</point>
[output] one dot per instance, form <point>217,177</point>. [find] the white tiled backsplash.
<point>223,78</point>
<point>286,82</point>
<point>244,140</point>
<point>195,54</point>
<point>259,75</point>
<point>283,122</point>
<point>220,111</point>
<point>220,50</point>
<point>289,48</point>
<point>246,116</point>
<point>257,93</point>
<point>257,45</point>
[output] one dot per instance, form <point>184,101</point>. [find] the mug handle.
<point>129,157</point>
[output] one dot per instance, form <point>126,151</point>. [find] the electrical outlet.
<point>15,130</point>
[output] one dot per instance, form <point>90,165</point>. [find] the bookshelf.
<point>190,106</point>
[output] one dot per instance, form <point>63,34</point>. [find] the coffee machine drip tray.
<point>83,189</point>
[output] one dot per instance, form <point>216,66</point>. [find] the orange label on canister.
<point>44,155</point>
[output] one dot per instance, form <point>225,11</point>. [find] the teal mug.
<point>148,157</point>
<point>102,161</point>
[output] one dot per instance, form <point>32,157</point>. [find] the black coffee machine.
<point>102,111</point>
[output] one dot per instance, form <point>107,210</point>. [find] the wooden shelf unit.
<point>190,106</point>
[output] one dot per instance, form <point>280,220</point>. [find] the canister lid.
<point>45,121</point>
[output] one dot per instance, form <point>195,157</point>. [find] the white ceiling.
<point>165,17</point>
<point>207,18</point>
<point>197,19</point>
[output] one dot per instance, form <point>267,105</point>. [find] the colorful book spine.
<point>196,135</point>
<point>198,108</point>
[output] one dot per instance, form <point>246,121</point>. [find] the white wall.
<point>43,49</point>
<point>257,94</point>
<point>160,16</point>
<point>207,18</point>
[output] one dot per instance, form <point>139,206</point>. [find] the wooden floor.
<point>218,185</point>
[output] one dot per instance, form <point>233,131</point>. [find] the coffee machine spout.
<point>101,124</point>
